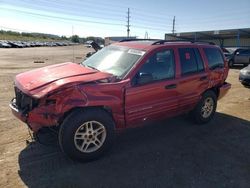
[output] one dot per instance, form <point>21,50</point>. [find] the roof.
<point>215,34</point>
<point>118,38</point>
<point>142,45</point>
<point>146,44</point>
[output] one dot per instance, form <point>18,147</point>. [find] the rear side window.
<point>214,57</point>
<point>191,61</point>
<point>244,52</point>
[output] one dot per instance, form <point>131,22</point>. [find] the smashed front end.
<point>48,110</point>
<point>22,104</point>
<point>44,96</point>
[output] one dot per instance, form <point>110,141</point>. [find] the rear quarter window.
<point>214,57</point>
<point>190,60</point>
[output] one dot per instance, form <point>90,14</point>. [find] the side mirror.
<point>144,78</point>
<point>237,53</point>
<point>89,54</point>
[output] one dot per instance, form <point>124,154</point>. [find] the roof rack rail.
<point>191,41</point>
<point>164,41</point>
<point>129,40</point>
<point>203,42</point>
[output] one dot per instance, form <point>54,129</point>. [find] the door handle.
<point>203,78</point>
<point>171,86</point>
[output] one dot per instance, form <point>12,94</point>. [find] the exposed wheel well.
<point>215,90</point>
<point>104,108</point>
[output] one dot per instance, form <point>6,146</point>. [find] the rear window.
<point>214,57</point>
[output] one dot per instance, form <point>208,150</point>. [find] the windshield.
<point>113,59</point>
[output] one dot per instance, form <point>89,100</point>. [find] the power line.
<point>15,29</point>
<point>59,7</point>
<point>142,20</point>
<point>62,18</point>
<point>82,8</point>
<point>138,11</point>
<point>79,20</point>
<point>87,5</point>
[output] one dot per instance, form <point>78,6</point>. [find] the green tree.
<point>63,37</point>
<point>75,38</point>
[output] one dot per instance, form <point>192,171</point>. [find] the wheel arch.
<point>106,109</point>
<point>216,91</point>
<point>213,89</point>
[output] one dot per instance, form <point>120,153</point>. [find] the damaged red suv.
<point>122,85</point>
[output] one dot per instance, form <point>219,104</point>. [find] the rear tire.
<point>205,109</point>
<point>86,134</point>
<point>230,63</point>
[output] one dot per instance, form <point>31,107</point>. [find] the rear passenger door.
<point>193,78</point>
<point>216,65</point>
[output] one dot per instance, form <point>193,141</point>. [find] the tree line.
<point>73,38</point>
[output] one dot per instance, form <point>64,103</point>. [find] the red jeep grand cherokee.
<point>122,85</point>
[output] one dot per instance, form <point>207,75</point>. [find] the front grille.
<point>23,101</point>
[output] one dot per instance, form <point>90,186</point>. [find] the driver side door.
<point>153,92</point>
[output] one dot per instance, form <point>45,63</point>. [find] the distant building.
<point>110,40</point>
<point>223,38</point>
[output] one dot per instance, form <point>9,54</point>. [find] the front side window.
<point>159,66</point>
<point>191,61</point>
<point>214,57</point>
<point>114,59</point>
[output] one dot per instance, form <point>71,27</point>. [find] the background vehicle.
<point>227,53</point>
<point>95,46</point>
<point>240,56</point>
<point>123,85</point>
<point>4,44</point>
<point>245,76</point>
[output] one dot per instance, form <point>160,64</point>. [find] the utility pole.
<point>128,25</point>
<point>173,31</point>
<point>73,45</point>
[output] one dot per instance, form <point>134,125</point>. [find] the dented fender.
<point>53,107</point>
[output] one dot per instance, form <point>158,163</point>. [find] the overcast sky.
<point>108,18</point>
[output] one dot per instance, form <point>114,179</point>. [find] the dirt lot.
<point>172,153</point>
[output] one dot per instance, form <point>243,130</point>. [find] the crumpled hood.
<point>40,82</point>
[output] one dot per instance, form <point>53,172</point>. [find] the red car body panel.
<point>42,81</point>
<point>64,87</point>
<point>150,102</point>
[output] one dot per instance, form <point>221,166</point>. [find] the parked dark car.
<point>245,76</point>
<point>4,44</point>
<point>16,44</point>
<point>240,56</point>
<point>227,53</point>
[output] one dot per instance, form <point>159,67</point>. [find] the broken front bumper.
<point>37,118</point>
<point>16,112</point>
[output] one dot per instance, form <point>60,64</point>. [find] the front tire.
<point>86,134</point>
<point>205,109</point>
